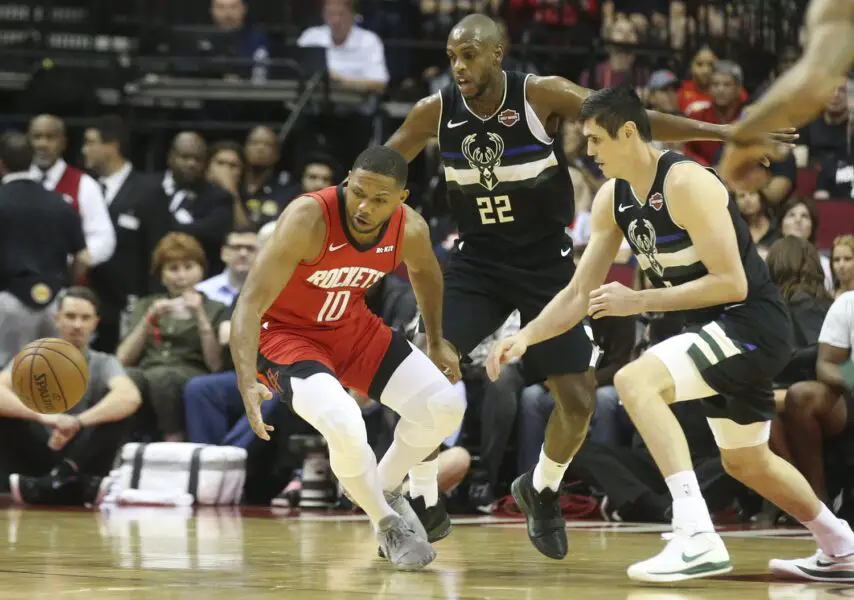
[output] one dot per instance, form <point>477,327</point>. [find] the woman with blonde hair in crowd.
<point>173,336</point>
<point>842,263</point>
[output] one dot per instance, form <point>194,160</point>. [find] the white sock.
<point>833,535</point>
<point>689,508</point>
<point>398,460</point>
<point>548,473</point>
<point>424,481</point>
<point>364,489</point>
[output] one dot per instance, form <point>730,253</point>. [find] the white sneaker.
<point>818,567</point>
<point>686,556</point>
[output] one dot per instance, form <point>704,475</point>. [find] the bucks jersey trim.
<point>507,187</point>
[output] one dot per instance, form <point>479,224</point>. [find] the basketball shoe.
<point>405,548</point>
<point>434,519</point>
<point>818,567</point>
<point>686,556</point>
<point>546,525</point>
<point>401,506</point>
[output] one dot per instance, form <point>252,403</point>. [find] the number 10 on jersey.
<point>334,306</point>
<point>494,209</point>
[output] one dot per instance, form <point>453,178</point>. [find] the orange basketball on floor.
<point>50,375</point>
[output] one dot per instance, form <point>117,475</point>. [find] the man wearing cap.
<point>725,88</point>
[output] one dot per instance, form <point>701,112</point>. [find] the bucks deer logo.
<point>484,158</point>
<point>642,237</point>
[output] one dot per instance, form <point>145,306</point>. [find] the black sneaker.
<point>94,489</point>
<point>435,519</point>
<point>61,487</point>
<point>546,525</point>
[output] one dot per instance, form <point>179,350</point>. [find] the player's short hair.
<point>383,161</point>
<point>613,107</point>
<point>81,292</point>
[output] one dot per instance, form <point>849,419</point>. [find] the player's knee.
<point>574,395</point>
<point>746,464</point>
<point>447,408</point>
<point>323,403</point>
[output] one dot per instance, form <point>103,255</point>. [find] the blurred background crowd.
<point>178,131</point>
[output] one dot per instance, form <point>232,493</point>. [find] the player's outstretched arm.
<point>425,274</point>
<point>420,125</point>
<point>697,201</point>
<point>801,93</point>
<point>563,97</point>
<point>569,306</point>
<point>299,236</point>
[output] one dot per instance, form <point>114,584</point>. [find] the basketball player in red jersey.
<point>302,319</point>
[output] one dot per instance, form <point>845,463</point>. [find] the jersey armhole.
<point>401,232</point>
<point>535,126</point>
<point>664,189</point>
<point>327,220</point>
<point>441,94</point>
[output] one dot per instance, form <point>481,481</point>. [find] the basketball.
<point>50,375</point>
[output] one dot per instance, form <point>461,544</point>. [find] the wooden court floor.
<point>158,553</point>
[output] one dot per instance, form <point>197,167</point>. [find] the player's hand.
<point>743,165</point>
<point>613,300</point>
<point>504,351</point>
<point>445,356</point>
<point>252,399</point>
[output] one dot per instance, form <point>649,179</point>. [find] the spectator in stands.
<point>199,208</point>
<point>799,217</point>
<point>842,263</point>
<point>725,107</point>
<point>38,232</point>
<point>48,137</point>
<point>828,138</point>
<point>695,95</point>
<point>264,192</point>
<point>754,208</point>
<point>174,335</point>
<point>238,254</point>
<point>139,224</point>
<point>794,266</point>
<point>225,168</point>
<point>234,39</point>
<point>822,409</point>
<point>62,458</point>
<point>620,67</point>
<point>648,16</point>
<point>355,57</point>
<point>662,87</point>
<point>318,171</point>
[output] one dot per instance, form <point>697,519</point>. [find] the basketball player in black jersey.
<point>688,237</point>
<point>511,196</point>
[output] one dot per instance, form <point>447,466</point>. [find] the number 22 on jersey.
<point>494,209</point>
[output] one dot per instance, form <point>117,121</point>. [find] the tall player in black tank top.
<point>512,198</point>
<point>688,237</point>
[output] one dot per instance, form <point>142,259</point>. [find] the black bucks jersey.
<point>509,195</point>
<point>665,251</point>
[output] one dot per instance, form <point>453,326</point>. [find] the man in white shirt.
<point>355,57</point>
<point>47,135</point>
<point>815,410</point>
<point>238,254</point>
